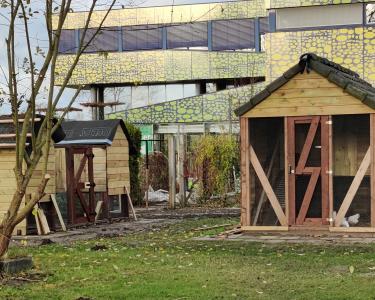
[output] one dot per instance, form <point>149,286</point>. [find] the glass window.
<point>67,42</point>
<point>187,35</point>
<point>175,91</point>
<point>157,94</point>
<point>318,16</point>
<point>105,40</point>
<point>191,89</point>
<point>370,13</point>
<point>142,37</point>
<point>233,34</point>
<point>139,96</point>
<point>263,29</point>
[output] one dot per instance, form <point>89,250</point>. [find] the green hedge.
<point>135,185</point>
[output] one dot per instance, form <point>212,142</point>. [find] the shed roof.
<point>99,132</point>
<point>348,80</point>
<point>8,130</point>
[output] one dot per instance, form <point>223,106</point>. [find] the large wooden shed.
<point>92,165</point>
<point>8,162</point>
<point>308,151</point>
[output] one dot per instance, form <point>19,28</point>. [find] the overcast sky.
<point>39,36</point>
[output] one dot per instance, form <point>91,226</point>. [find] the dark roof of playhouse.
<point>348,80</point>
<point>8,130</point>
<point>99,132</point>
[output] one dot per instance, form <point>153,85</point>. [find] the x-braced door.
<point>81,204</point>
<point>308,180</point>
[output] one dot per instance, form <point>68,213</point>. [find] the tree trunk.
<point>5,235</point>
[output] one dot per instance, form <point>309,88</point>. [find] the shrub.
<point>215,159</point>
<point>135,185</point>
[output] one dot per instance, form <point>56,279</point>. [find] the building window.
<point>263,29</point>
<point>370,13</point>
<point>143,37</point>
<point>192,35</point>
<point>105,40</point>
<point>115,204</point>
<point>319,16</point>
<point>233,34</point>
<point>67,42</point>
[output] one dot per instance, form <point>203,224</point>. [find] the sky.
<point>39,37</point>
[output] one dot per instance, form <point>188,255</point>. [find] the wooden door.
<point>76,184</point>
<point>308,170</point>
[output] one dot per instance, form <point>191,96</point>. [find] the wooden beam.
<point>61,220</point>
<point>286,171</point>
<point>267,187</point>
<point>352,229</point>
<point>325,167</point>
<point>172,170</point>
<point>245,172</point>
<point>290,165</point>
<point>372,178</point>
<point>308,196</point>
<point>307,145</point>
<point>262,198</point>
<point>11,135</point>
<point>265,228</point>
<point>131,203</point>
<point>353,188</point>
<point>330,170</point>
<point>10,121</point>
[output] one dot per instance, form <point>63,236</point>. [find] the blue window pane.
<point>233,34</point>
<point>67,42</point>
<point>143,37</point>
<point>105,40</point>
<point>187,35</point>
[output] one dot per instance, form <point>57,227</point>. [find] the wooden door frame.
<point>74,186</point>
<point>292,169</point>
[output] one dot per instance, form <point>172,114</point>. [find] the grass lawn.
<point>168,264</point>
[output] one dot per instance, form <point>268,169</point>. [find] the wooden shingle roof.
<point>348,80</point>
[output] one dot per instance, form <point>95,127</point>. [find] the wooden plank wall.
<point>118,174</point>
<point>350,143</point>
<point>100,165</point>
<point>8,184</point>
<point>308,94</point>
<point>36,178</point>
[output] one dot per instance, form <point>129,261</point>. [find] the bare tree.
<point>17,15</point>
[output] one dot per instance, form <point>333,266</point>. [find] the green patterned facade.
<point>214,107</point>
<point>160,66</point>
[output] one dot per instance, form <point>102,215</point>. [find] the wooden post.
<point>245,172</point>
<point>286,168</point>
<point>330,168</point>
<point>172,170</point>
<point>69,160</point>
<point>372,178</point>
<point>181,177</point>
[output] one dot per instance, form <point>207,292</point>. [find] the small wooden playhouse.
<point>8,161</point>
<point>92,165</point>
<point>308,151</point>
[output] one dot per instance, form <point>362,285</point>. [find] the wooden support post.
<point>58,212</point>
<point>172,170</point>
<point>330,170</point>
<point>353,188</point>
<point>290,165</point>
<point>245,172</point>
<point>181,162</point>
<point>286,168</point>
<point>70,186</point>
<point>131,204</point>
<point>325,168</point>
<point>372,177</point>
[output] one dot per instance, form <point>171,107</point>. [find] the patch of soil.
<point>22,278</point>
